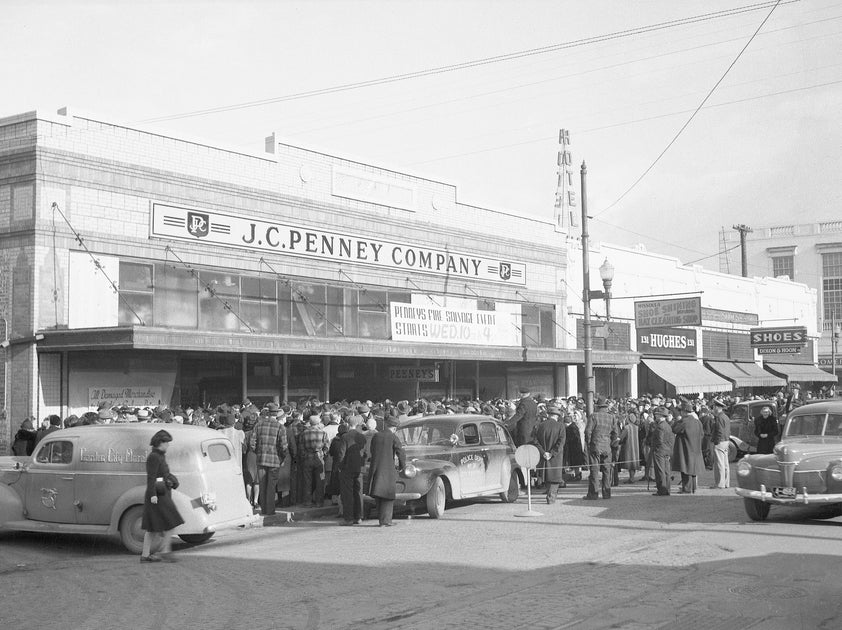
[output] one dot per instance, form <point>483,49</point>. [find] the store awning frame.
<point>745,374</point>
<point>800,373</point>
<point>688,376</point>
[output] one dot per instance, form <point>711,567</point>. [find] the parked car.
<point>806,467</point>
<point>451,457</point>
<point>743,414</point>
<point>92,480</point>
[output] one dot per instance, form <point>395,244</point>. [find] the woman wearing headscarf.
<point>24,442</point>
<point>160,516</point>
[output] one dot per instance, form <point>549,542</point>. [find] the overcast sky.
<point>766,148</point>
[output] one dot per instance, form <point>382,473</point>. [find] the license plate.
<point>783,492</point>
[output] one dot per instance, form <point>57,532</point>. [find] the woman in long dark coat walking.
<point>160,516</point>
<point>766,430</point>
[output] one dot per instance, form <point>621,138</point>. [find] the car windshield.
<point>429,433</point>
<point>739,412</point>
<point>807,424</point>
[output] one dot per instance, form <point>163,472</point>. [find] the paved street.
<point>636,561</point>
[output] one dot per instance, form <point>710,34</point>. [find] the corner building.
<point>141,269</point>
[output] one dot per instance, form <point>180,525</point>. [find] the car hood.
<point>795,450</point>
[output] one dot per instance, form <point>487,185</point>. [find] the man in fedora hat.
<point>549,438</point>
<point>602,429</point>
<point>719,436</point>
<point>526,417</point>
<point>383,476</point>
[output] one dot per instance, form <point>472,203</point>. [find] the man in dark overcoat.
<point>662,443</point>
<point>602,429</point>
<point>525,418</point>
<point>687,452</point>
<point>351,456</point>
<point>383,476</point>
<point>549,438</point>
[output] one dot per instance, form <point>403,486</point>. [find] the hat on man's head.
<point>553,410</point>
<point>601,402</point>
<point>402,407</point>
<point>105,414</point>
<point>717,402</point>
<point>315,419</point>
<point>363,409</point>
<point>392,421</point>
<point>523,390</point>
<point>55,420</point>
<point>143,414</point>
<point>661,412</point>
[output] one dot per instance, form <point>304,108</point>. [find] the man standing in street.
<point>269,442</point>
<point>549,438</point>
<point>662,444</point>
<point>602,429</point>
<point>526,417</point>
<point>351,457</point>
<point>383,475</point>
<point>687,453</point>
<point>719,436</point>
<point>313,445</point>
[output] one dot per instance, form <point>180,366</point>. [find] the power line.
<point>476,62</point>
<point>693,115</point>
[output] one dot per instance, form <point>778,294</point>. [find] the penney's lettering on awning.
<point>234,231</point>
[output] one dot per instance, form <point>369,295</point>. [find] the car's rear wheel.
<point>131,532</point>
<point>756,510</point>
<point>511,495</point>
<point>196,539</point>
<point>436,499</point>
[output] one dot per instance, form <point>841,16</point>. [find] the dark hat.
<point>363,408</point>
<point>661,412</point>
<point>523,390</point>
<point>160,436</point>
<point>392,421</point>
<point>686,405</point>
<point>718,402</point>
<point>552,410</point>
<point>601,402</point>
<point>55,420</point>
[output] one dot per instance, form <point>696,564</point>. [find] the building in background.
<point>810,253</point>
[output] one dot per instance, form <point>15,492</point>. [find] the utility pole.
<point>743,229</point>
<point>834,338</point>
<point>586,299</point>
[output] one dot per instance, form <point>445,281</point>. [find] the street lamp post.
<point>606,272</point>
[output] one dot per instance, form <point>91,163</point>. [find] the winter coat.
<point>163,516</point>
<point>630,445</point>
<point>383,475</point>
<point>687,453</point>
<point>769,427</point>
<point>550,437</point>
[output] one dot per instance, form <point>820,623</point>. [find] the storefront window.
<point>259,304</point>
<point>175,302</point>
<point>832,285</point>
<point>284,308</point>
<point>308,312</point>
<point>135,294</point>
<point>219,301</point>
<point>373,314</point>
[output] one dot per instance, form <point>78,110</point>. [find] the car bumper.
<point>215,526</point>
<point>801,498</point>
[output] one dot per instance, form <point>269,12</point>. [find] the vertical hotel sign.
<point>258,235</point>
<point>566,201</point>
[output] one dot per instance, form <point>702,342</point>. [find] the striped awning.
<point>688,377</point>
<point>801,373</point>
<point>745,374</point>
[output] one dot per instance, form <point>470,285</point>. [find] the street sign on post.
<point>528,456</point>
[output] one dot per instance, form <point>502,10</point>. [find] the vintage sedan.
<point>92,480</point>
<point>806,467</point>
<point>743,415</point>
<point>451,457</point>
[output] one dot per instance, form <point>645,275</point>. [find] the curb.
<point>282,517</point>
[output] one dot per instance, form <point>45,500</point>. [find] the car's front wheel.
<point>733,452</point>
<point>436,499</point>
<point>756,510</point>
<point>131,532</point>
<point>511,495</point>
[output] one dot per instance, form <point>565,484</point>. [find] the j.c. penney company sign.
<point>187,224</point>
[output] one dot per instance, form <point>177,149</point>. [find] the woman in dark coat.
<point>766,430</point>
<point>333,450</point>
<point>24,442</point>
<point>160,515</point>
<point>574,456</point>
<point>383,475</point>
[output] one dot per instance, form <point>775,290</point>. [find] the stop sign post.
<point>528,457</point>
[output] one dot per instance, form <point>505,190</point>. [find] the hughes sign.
<point>281,238</point>
<point>667,342</point>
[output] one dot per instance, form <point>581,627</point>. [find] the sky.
<point>623,76</point>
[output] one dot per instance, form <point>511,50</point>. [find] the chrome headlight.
<point>410,470</point>
<point>836,472</point>
<point>743,468</point>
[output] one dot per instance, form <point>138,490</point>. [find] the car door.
<point>50,483</point>
<point>470,459</point>
<point>498,465</point>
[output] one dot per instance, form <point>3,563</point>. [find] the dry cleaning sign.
<point>172,222</point>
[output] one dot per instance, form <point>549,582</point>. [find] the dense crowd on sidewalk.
<point>638,435</point>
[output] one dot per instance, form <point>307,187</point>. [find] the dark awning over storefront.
<point>804,373</point>
<point>688,377</point>
<point>745,374</point>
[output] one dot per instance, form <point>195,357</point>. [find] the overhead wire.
<point>475,62</point>
<point>693,115</point>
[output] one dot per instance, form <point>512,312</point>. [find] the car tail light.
<point>209,501</point>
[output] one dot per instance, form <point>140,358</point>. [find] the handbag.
<point>171,481</point>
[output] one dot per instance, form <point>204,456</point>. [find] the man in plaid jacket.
<point>269,442</point>
<point>312,448</point>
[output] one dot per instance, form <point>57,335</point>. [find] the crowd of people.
<point>294,453</point>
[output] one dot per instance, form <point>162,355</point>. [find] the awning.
<point>688,377</point>
<point>745,374</point>
<point>794,372</point>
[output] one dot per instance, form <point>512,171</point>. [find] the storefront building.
<point>142,269</point>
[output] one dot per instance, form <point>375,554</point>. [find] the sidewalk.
<point>298,513</point>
